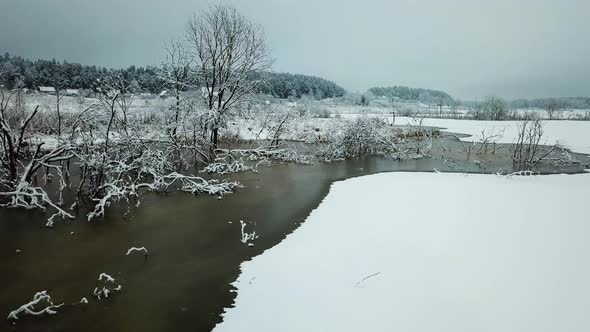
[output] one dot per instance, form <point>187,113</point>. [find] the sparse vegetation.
<point>528,150</point>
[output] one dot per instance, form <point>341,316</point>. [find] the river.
<point>194,248</point>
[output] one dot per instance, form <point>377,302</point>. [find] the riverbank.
<point>194,251</point>
<point>469,252</point>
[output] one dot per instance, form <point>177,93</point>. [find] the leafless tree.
<point>528,151</point>
<point>16,182</point>
<point>489,136</point>
<point>493,108</point>
<point>176,71</point>
<point>230,56</point>
<point>58,98</point>
<point>455,108</point>
<point>553,108</point>
<point>394,106</point>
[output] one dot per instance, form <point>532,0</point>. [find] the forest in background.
<point>426,96</point>
<point>26,73</point>
<point>68,75</point>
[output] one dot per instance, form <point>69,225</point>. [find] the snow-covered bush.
<point>528,151</point>
<point>359,137</point>
<point>265,155</point>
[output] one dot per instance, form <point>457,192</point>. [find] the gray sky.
<point>469,48</point>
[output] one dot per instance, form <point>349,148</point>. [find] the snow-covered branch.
<point>247,238</point>
<point>39,299</point>
<point>29,197</point>
<point>105,286</point>
<point>132,249</point>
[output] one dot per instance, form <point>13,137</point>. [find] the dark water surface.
<point>194,250</point>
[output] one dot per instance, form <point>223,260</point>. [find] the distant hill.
<point>413,94</point>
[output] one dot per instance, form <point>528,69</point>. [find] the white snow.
<point>428,252</point>
<point>574,135</point>
<point>571,133</point>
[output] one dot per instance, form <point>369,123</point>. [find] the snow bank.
<point>572,134</point>
<point>441,252</point>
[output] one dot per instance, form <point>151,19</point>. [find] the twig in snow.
<point>358,283</point>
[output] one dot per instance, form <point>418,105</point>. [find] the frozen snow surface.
<point>571,134</point>
<point>437,252</point>
<point>574,135</point>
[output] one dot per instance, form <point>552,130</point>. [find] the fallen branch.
<point>132,249</point>
<point>107,287</point>
<point>29,308</point>
<point>28,197</point>
<point>246,237</point>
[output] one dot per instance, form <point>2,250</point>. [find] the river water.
<point>193,242</point>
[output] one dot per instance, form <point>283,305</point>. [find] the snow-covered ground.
<point>74,105</point>
<point>570,134</point>
<point>428,252</point>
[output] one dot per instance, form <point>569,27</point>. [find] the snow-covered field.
<point>428,252</point>
<point>570,134</point>
<point>74,105</point>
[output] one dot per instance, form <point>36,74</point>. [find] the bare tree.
<point>16,182</point>
<point>393,102</point>
<point>58,98</point>
<point>553,108</point>
<point>176,71</point>
<point>493,108</point>
<point>455,108</point>
<point>528,151</point>
<point>230,56</point>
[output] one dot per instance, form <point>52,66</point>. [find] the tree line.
<point>413,94</point>
<point>285,85</point>
<point>553,103</point>
<point>19,72</point>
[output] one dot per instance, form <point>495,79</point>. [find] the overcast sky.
<point>469,48</point>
